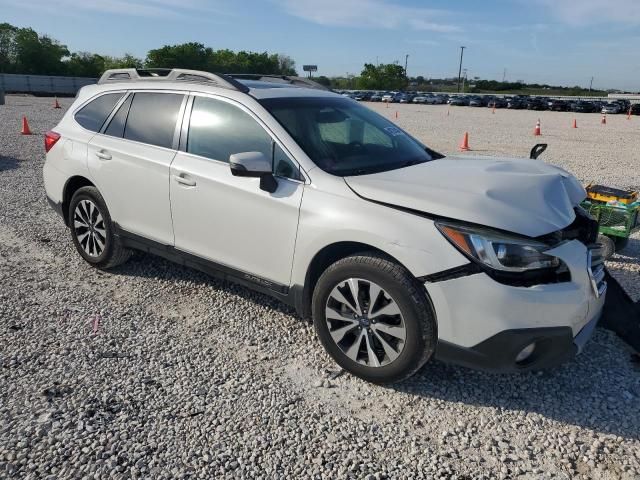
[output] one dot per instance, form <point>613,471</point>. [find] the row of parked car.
<point>517,102</point>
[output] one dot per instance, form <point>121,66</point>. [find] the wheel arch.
<point>70,188</point>
<point>325,257</point>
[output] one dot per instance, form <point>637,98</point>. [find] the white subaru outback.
<point>396,252</point>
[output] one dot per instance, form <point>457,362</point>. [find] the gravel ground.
<point>156,371</point>
<point>594,153</point>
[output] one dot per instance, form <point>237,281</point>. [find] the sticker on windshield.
<point>394,131</point>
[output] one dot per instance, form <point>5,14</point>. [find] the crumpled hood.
<point>523,196</point>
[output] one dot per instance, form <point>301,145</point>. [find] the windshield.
<point>344,138</point>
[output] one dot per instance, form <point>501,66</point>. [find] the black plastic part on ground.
<point>621,315</point>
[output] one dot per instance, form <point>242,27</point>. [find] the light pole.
<point>406,59</point>
<point>460,68</point>
<point>590,84</point>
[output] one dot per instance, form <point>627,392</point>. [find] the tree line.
<point>23,50</point>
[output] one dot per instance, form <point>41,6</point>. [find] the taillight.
<point>50,139</point>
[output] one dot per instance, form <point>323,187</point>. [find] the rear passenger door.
<point>130,159</point>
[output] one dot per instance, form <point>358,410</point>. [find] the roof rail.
<point>171,75</point>
<point>286,79</point>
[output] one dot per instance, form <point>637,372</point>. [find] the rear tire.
<point>92,230</point>
<point>385,336</point>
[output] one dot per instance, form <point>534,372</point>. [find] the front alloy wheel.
<point>374,318</point>
<point>365,322</point>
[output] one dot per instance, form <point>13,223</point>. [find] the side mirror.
<point>254,165</point>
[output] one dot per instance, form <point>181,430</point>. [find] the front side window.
<point>94,114</point>
<point>345,138</point>
<point>152,118</point>
<point>218,130</point>
<point>283,166</point>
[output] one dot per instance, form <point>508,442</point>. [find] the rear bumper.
<point>553,346</point>
<point>56,206</point>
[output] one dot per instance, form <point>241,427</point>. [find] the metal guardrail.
<point>43,84</point>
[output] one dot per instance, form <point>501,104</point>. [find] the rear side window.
<point>152,118</point>
<point>93,115</point>
<point>219,129</point>
<point>116,126</point>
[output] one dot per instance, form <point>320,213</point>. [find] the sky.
<point>559,42</point>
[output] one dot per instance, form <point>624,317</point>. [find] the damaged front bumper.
<point>487,325</point>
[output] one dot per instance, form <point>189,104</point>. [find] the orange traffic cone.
<point>25,127</point>
<point>536,131</point>
<point>56,104</point>
<point>575,123</point>
<point>464,146</point>
<point>604,119</point>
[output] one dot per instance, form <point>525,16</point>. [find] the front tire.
<point>374,318</point>
<point>92,230</point>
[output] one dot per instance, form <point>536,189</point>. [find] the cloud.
<point>138,8</point>
<point>585,12</point>
<point>367,14</point>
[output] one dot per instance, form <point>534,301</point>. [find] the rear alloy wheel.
<point>92,230</point>
<point>89,229</point>
<point>374,318</point>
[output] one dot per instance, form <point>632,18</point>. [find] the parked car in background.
<point>558,105</point>
<point>498,102</point>
<point>376,97</point>
<point>612,108</point>
<point>459,100</point>
<point>389,97</point>
<point>477,102</point>
<point>635,109</point>
<point>398,254</point>
<point>405,98</point>
<point>582,106</point>
<point>517,103</point>
<point>419,99</point>
<point>537,103</point>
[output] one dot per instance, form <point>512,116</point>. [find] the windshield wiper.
<point>410,163</point>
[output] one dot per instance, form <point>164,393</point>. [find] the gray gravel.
<point>156,371</point>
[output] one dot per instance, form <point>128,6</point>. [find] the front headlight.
<point>498,250</point>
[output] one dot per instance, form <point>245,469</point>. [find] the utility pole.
<point>406,59</point>
<point>590,84</point>
<point>460,69</point>
<point>504,75</point>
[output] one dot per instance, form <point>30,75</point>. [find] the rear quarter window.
<point>152,118</point>
<point>94,114</point>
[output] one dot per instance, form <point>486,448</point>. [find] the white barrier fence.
<point>43,84</point>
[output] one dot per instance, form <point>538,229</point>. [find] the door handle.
<point>102,155</point>
<point>182,180</point>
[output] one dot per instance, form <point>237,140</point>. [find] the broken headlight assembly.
<point>499,251</point>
